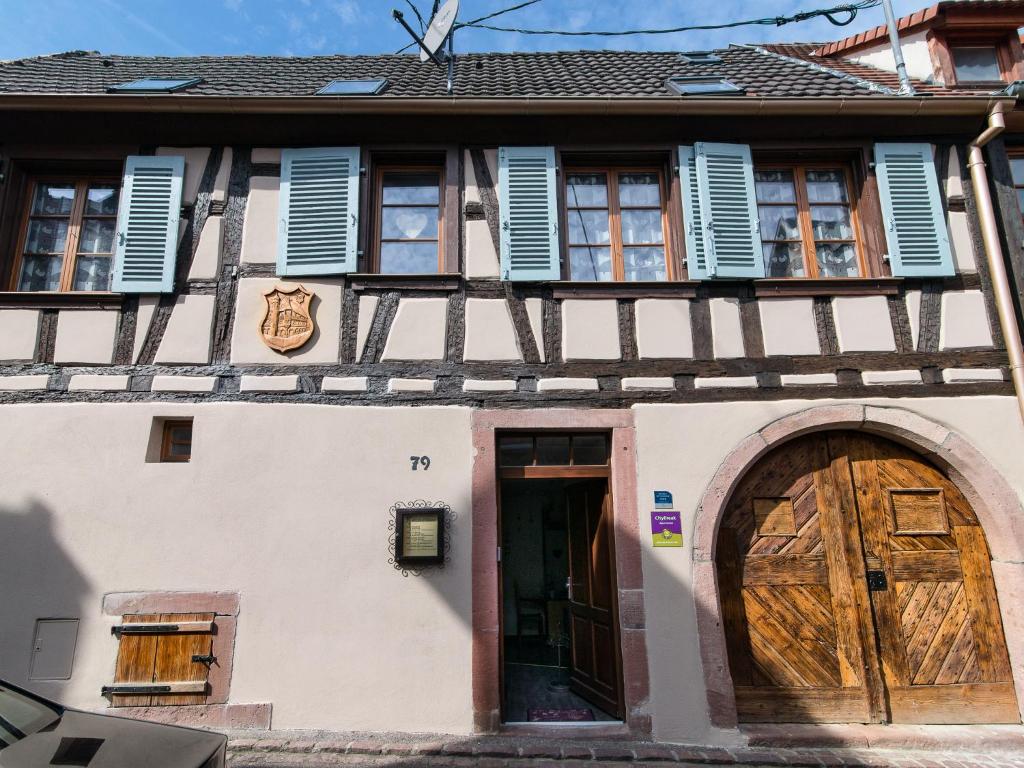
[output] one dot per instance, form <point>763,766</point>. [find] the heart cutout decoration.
<point>411,224</point>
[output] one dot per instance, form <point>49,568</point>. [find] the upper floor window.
<point>66,242</point>
<point>410,220</point>
<point>1017,168</point>
<point>808,226</point>
<point>976,63</point>
<point>616,224</point>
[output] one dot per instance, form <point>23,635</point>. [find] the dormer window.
<point>976,64</point>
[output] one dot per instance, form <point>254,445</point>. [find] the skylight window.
<point>353,88</point>
<point>156,85</point>
<point>702,86</point>
<point>700,57</point>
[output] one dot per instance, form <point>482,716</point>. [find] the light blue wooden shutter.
<point>915,227</point>
<point>147,225</point>
<point>728,210</point>
<point>696,258</point>
<point>529,213</point>
<point>319,211</point>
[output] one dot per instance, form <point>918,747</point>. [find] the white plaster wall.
<point>259,232</point>
<point>418,330</point>
<point>726,328</point>
<point>863,324</point>
<point>663,328</point>
<point>367,309</point>
<point>964,321</point>
<point>195,165</point>
<point>19,331</point>
<point>913,301</point>
<point>788,327</point>
<point>590,329</point>
<point>223,178</point>
<point>143,318</point>
<point>187,336</point>
<point>481,256</point>
<point>679,449</point>
<point>85,336</point>
<point>490,334</point>
<point>535,311</point>
<point>287,505</point>
<point>206,262</point>
<point>247,346</point>
<point>915,54</point>
<point>961,242</point>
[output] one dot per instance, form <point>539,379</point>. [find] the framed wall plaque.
<point>419,536</point>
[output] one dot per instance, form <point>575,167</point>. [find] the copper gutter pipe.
<point>994,252</point>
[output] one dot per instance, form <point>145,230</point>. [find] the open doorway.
<point>561,660</point>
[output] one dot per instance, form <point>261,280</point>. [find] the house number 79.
<point>420,461</point>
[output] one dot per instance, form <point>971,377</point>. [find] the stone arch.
<point>997,506</point>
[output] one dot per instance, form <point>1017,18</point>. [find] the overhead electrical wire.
<point>423,24</point>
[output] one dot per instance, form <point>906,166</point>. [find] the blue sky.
<point>307,27</point>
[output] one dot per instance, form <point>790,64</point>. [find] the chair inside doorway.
<point>559,619</point>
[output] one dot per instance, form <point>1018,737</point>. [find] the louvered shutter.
<point>147,225</point>
<point>529,213</point>
<point>915,227</point>
<point>728,210</point>
<point>696,258</point>
<point>319,211</point>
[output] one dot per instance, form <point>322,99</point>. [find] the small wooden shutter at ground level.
<point>148,215</point>
<point>915,225</point>
<point>164,657</point>
<point>728,210</point>
<point>529,213</point>
<point>319,211</point>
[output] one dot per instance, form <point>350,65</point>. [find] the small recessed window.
<point>177,440</point>
<point>976,64</point>
<point>702,86</point>
<point>353,88</point>
<point>700,57</point>
<point>156,85</point>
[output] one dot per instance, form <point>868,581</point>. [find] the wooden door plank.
<point>784,569</point>
<point>926,565</point>
<point>734,617</point>
<point>136,659</point>
<point>956,704</point>
<point>801,705</point>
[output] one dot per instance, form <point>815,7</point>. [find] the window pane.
<point>46,236</point>
<point>40,273</point>
<point>644,264</point>
<point>53,199</point>
<point>976,64</point>
<point>92,273</point>
<point>590,449</point>
<point>590,263</point>
<point>588,227</point>
<point>837,260</point>
<point>97,236</point>
<point>412,188</point>
<point>1017,165</point>
<point>409,223</point>
<point>101,201</point>
<point>778,222</point>
<point>180,449</point>
<point>181,434</point>
<point>784,260</point>
<point>553,449</point>
<point>515,451</point>
<point>587,190</point>
<point>775,186</point>
<point>831,222</point>
<point>408,258</point>
<point>642,226</point>
<point>639,189</point>
<point>826,187</point>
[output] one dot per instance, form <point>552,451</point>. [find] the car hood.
<point>126,743</point>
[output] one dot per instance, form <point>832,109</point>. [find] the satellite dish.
<point>440,27</point>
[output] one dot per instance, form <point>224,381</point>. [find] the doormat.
<point>559,715</point>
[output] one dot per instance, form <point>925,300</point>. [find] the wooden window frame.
<point>69,262</point>
<point>379,171</point>
<point>166,441</point>
<point>533,470</point>
<point>803,207</point>
<point>615,218</point>
<point>1008,56</point>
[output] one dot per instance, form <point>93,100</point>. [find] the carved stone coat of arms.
<point>288,323</point>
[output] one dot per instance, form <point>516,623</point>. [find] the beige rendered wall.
<point>679,449</point>
<point>287,505</point>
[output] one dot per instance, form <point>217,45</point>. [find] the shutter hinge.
<point>885,258</point>
<point>499,554</point>
<point>362,170</point>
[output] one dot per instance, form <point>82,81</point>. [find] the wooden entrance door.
<point>594,658</point>
<point>856,587</point>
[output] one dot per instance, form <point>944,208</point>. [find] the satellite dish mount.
<point>440,30</point>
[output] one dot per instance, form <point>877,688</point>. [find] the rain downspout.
<point>994,251</point>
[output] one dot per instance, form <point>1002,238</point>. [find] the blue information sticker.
<point>662,500</point>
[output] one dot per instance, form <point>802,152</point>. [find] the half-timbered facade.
<point>678,378</point>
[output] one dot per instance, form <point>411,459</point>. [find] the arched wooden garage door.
<point>856,587</point>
